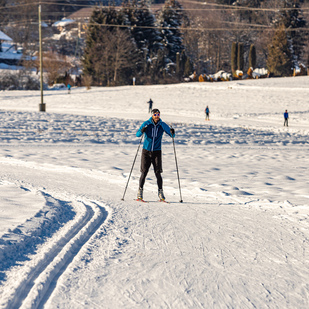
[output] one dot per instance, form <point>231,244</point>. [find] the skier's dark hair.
<point>155,110</point>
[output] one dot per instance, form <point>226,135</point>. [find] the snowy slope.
<point>239,240</point>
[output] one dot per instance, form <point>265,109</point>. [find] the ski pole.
<point>125,190</point>
<point>177,170</point>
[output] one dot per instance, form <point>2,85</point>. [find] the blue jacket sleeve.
<point>139,133</point>
<point>167,129</point>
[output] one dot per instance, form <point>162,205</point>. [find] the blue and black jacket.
<point>153,134</point>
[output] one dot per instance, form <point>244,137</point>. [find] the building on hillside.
<point>9,55</point>
<point>3,37</point>
<point>82,15</point>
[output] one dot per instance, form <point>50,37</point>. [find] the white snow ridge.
<point>239,239</point>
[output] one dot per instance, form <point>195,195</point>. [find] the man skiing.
<point>153,129</point>
<point>150,102</point>
<point>286,118</point>
<point>207,112</point>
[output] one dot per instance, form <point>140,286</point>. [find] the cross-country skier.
<point>207,112</point>
<point>153,129</point>
<point>150,102</point>
<point>286,118</point>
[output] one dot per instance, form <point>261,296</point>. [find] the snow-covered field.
<point>240,239</point>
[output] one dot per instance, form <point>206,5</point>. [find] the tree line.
<point>129,42</point>
<point>276,28</point>
<point>171,43</point>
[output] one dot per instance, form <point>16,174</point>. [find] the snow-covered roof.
<point>43,24</point>
<point>4,37</point>
<point>62,23</point>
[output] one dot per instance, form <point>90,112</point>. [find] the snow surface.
<point>239,239</point>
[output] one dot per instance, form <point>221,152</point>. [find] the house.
<point>3,37</point>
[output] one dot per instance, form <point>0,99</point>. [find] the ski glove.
<point>172,131</point>
<point>144,129</point>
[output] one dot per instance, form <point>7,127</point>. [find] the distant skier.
<point>69,88</point>
<point>207,112</point>
<point>150,102</point>
<point>286,118</point>
<point>153,129</point>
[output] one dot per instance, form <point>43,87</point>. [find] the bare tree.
<point>125,52</point>
<point>113,54</point>
<point>54,65</point>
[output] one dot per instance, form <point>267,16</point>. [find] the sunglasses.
<point>156,115</point>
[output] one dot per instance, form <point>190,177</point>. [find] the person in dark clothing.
<point>150,102</point>
<point>153,129</point>
<point>286,118</point>
<point>207,112</point>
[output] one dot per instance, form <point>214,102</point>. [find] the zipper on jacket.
<point>154,135</point>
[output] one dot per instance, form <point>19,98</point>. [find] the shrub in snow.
<point>239,74</point>
<point>58,86</point>
<point>260,73</point>
<point>257,73</point>
<point>30,83</point>
<point>9,82</point>
<point>300,70</point>
<point>224,76</point>
<point>249,72</point>
<point>221,76</point>
<point>16,81</point>
<point>193,77</point>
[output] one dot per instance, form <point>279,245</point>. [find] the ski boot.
<point>161,195</point>
<point>140,194</point>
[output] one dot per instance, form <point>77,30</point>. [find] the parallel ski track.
<point>34,291</point>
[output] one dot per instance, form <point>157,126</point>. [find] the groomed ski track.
<point>51,260</point>
<point>41,275</point>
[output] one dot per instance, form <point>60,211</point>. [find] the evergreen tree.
<point>183,60</point>
<point>110,53</point>
<point>240,57</point>
<point>248,15</point>
<point>143,25</point>
<point>293,19</point>
<point>178,65</point>
<point>279,61</point>
<point>171,19</point>
<point>157,69</point>
<point>252,57</point>
<point>234,58</point>
<point>144,32</point>
<point>188,67</point>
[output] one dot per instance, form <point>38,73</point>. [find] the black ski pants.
<point>286,122</point>
<point>154,158</point>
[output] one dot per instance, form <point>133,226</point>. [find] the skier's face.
<point>156,117</point>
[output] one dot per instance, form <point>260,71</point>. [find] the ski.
<point>143,201</point>
<point>140,200</point>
